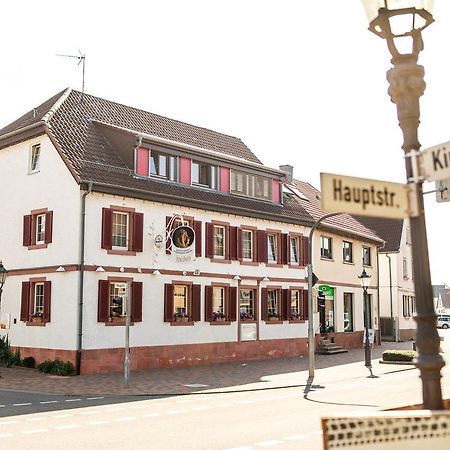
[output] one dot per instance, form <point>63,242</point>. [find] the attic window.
<point>35,158</point>
<point>292,191</point>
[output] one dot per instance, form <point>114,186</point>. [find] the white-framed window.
<point>181,300</point>
<point>247,304</point>
<point>294,247</point>
<point>272,303</point>
<point>218,302</point>
<point>405,268</point>
<point>163,165</point>
<point>38,306</point>
<point>295,304</point>
<point>247,245</point>
<point>35,158</point>
<point>272,248</point>
<point>325,247</point>
<point>408,235</point>
<point>348,311</point>
<point>256,186</point>
<point>118,299</point>
<point>219,241</point>
<point>203,174</point>
<point>347,251</point>
<point>366,256</point>
<point>120,230</point>
<point>40,228</point>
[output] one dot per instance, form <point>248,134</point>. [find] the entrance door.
<point>321,308</point>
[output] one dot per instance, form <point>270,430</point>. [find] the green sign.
<point>327,290</point>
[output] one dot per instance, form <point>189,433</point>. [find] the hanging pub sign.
<point>183,243</point>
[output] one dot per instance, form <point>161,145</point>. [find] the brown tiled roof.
<point>342,223</point>
<point>76,127</point>
<point>390,230</point>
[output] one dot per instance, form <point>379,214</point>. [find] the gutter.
<point>380,247</point>
<point>81,281</point>
<point>22,130</point>
<point>391,298</point>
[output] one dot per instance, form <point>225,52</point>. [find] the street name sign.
<point>365,197</point>
<point>435,162</point>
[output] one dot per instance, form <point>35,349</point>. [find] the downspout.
<point>81,280</point>
<point>391,297</point>
<point>378,288</point>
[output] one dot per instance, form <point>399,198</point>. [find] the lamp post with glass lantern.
<point>364,279</point>
<point>3,273</point>
<point>401,22</point>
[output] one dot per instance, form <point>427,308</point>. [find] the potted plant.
<point>295,315</point>
<point>180,316</point>
<point>274,316</point>
<point>218,316</point>
<point>246,316</point>
<point>37,317</point>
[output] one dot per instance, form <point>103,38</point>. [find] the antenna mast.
<point>81,59</point>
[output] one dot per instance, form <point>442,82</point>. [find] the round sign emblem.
<point>183,237</point>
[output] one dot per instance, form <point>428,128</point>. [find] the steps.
<point>326,347</point>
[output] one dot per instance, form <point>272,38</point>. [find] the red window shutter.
<point>285,304</point>
<point>136,301</point>
<point>25,303</point>
<point>208,303</point>
<point>47,300</point>
<point>239,244</point>
<point>234,243</point>
<point>142,161</point>
<point>167,234</point>
<point>107,228</point>
<point>304,314</point>
<point>196,299</point>
<point>103,301</point>
<point>27,230</point>
<point>138,232</point>
<point>264,304</point>
<point>209,243</point>
<point>48,227</point>
<point>261,238</point>
<point>198,237</point>
<point>284,248</point>
<point>304,249</point>
<point>168,303</point>
<point>232,298</point>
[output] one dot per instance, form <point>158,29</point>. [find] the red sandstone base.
<point>111,360</point>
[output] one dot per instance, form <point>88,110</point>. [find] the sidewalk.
<point>251,375</point>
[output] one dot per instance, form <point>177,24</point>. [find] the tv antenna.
<point>81,60</point>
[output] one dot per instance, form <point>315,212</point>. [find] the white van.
<point>443,321</point>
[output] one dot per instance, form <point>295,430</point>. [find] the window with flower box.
<point>247,299</point>
<point>220,303</point>
<point>35,302</point>
<point>38,229</point>
<point>272,306</point>
<point>122,230</point>
<point>113,298</point>
<point>297,305</point>
<point>182,302</point>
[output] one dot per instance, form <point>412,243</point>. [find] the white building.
<point>92,191</point>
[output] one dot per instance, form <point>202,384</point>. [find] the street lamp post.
<point>364,279</point>
<point>3,273</point>
<point>401,22</point>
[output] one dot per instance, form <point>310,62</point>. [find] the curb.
<point>399,363</point>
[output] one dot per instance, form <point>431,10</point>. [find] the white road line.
<point>67,427</point>
<point>21,404</point>
<point>296,437</point>
<point>36,430</point>
<point>98,422</point>
<point>94,398</point>
<point>125,419</point>
<point>50,401</point>
<point>5,435</point>
<point>151,415</point>
<point>177,411</point>
<point>2,406</point>
<point>73,400</point>
<point>269,443</point>
<point>202,408</point>
<point>62,416</point>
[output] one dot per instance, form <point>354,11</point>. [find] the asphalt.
<point>262,374</point>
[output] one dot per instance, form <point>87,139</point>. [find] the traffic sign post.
<point>442,191</point>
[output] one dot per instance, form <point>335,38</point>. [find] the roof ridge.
<point>50,113</point>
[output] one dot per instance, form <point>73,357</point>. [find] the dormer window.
<point>255,186</point>
<point>204,175</point>
<point>163,165</point>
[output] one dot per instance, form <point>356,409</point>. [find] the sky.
<point>300,82</point>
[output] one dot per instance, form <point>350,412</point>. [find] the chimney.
<point>289,172</point>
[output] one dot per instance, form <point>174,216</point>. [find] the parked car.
<point>443,321</point>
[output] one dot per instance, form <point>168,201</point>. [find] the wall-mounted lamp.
<point>266,279</point>
<point>60,269</point>
<point>237,278</point>
<point>100,269</point>
<point>156,272</point>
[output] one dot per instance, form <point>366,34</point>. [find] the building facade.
<point>123,212</point>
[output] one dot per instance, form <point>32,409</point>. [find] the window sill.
<point>273,321</point>
<point>220,322</point>
<point>117,322</point>
<point>272,264</point>
<point>37,246</point>
<point>249,263</point>
<point>181,324</point>
<point>351,263</point>
<point>297,321</point>
<point>32,323</point>
<point>121,252</point>
<point>324,258</point>
<point>219,260</point>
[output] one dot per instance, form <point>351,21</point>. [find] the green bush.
<point>57,367</point>
<point>399,355</point>
<point>29,362</point>
<point>7,357</point>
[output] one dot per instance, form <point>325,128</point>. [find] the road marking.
<point>2,406</point>
<point>50,401</point>
<point>269,443</point>
<point>67,427</point>
<point>177,411</point>
<point>21,404</point>
<point>125,419</point>
<point>73,400</point>
<point>94,398</point>
<point>152,415</point>
<point>37,430</point>
<point>201,408</point>
<point>5,435</point>
<point>296,437</point>
<point>98,422</point>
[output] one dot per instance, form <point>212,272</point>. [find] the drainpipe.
<point>390,296</point>
<point>81,280</point>
<point>379,248</point>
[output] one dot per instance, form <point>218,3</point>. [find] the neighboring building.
<point>441,298</point>
<point>109,210</point>
<point>342,249</point>
<point>396,279</point>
